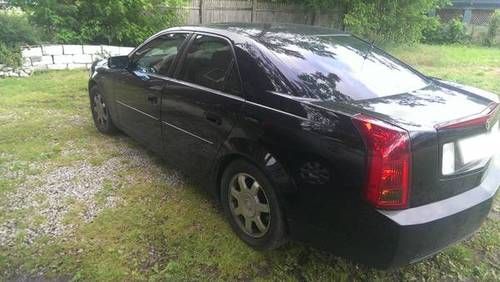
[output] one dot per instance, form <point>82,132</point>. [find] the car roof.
<point>262,32</point>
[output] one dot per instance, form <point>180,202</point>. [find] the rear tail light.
<point>388,162</point>
<point>481,119</point>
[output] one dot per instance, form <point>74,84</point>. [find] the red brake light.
<point>388,161</point>
<point>479,119</point>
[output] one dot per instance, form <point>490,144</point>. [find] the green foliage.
<point>15,31</point>
<point>124,22</point>
<point>446,33</point>
<point>10,56</point>
<point>398,21</point>
<point>491,34</point>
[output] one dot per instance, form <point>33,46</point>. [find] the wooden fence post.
<point>200,9</point>
<point>254,11</point>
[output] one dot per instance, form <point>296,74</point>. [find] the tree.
<point>126,22</point>
<point>400,21</point>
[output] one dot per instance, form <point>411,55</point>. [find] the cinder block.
<point>63,59</point>
<point>92,49</point>
<point>26,62</point>
<point>72,49</point>
<point>110,50</point>
<point>76,66</point>
<point>52,49</point>
<point>57,67</point>
<point>124,51</point>
<point>31,52</point>
<point>41,60</point>
<point>40,67</point>
<point>82,59</point>
<point>98,57</point>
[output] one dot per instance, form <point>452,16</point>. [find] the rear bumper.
<point>386,239</point>
<point>425,230</point>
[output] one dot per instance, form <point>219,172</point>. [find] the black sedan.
<point>311,134</point>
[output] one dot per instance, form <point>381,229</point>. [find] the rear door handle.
<point>213,118</point>
<point>153,99</point>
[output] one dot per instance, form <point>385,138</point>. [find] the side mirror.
<point>118,62</point>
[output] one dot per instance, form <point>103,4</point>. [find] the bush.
<point>446,33</point>
<point>10,56</point>
<point>493,26</point>
<point>391,21</point>
<point>385,21</point>
<point>122,22</point>
<point>15,31</point>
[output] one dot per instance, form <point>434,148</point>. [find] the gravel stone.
<point>49,195</point>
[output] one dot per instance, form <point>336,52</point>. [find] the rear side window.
<point>340,67</point>
<point>158,55</point>
<point>209,62</point>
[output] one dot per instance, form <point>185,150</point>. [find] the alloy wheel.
<point>249,205</point>
<point>100,110</point>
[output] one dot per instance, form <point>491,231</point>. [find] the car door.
<point>200,106</point>
<point>139,88</point>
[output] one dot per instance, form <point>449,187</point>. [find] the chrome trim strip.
<point>217,92</point>
<point>276,110</point>
<point>139,111</point>
<point>189,84</point>
<point>187,132</point>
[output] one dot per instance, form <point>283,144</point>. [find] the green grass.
<point>157,231</point>
<point>472,65</point>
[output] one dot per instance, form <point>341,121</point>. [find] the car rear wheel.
<point>100,112</point>
<point>251,205</point>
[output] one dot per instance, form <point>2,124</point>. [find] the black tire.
<point>101,113</point>
<point>274,221</point>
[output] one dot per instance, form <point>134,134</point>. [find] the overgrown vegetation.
<point>453,31</point>
<point>159,231</point>
<point>122,22</point>
<point>392,21</point>
<point>15,30</point>
<point>493,28</point>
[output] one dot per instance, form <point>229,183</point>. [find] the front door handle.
<point>213,118</point>
<point>153,99</point>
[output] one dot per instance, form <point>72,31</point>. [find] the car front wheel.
<point>100,112</point>
<point>251,205</point>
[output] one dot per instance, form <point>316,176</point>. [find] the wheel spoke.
<point>254,189</point>
<point>235,194</point>
<point>260,225</point>
<point>248,225</point>
<point>241,182</point>
<point>262,207</point>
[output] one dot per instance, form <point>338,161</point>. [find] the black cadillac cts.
<point>311,134</point>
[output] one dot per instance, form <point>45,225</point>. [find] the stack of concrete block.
<point>60,57</point>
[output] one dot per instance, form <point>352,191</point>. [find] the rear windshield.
<point>341,67</point>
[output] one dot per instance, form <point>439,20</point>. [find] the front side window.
<point>158,55</point>
<point>208,63</point>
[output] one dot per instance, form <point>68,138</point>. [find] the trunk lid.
<point>426,108</point>
<point>430,115</point>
